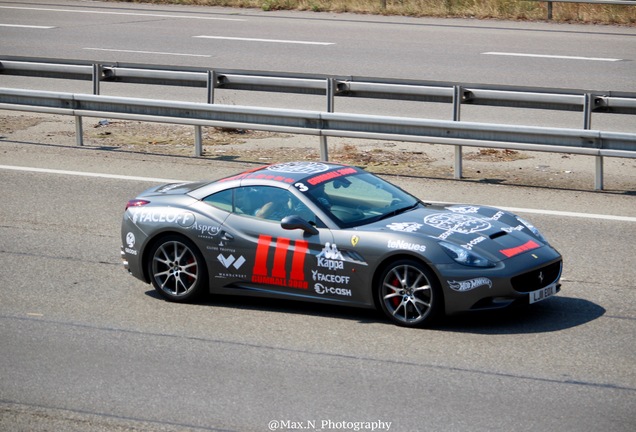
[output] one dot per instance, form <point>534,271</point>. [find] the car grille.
<point>537,279</point>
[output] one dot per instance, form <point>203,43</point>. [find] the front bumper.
<point>512,280</point>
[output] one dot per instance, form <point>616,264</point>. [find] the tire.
<point>409,294</point>
<point>177,269</point>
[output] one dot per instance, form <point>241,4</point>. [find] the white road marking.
<point>90,174</point>
<point>569,214</point>
<point>146,52</point>
<point>165,180</point>
<point>152,15</point>
<point>264,40</point>
<point>553,56</point>
<point>548,212</point>
<point>27,26</point>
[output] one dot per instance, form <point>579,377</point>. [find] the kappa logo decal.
<point>278,276</point>
<point>330,257</point>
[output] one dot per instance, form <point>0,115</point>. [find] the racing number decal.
<point>278,275</point>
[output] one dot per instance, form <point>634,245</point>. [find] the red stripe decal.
<point>519,249</point>
<point>262,250</point>
<point>298,262</point>
<point>280,258</point>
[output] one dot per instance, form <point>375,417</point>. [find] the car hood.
<point>494,233</point>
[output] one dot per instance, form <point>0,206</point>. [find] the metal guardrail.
<point>332,86</point>
<point>587,102</point>
<point>576,141</point>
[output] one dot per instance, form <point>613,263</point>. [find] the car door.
<point>258,254</point>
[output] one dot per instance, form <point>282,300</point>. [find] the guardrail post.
<point>198,141</point>
<point>198,130</point>
<point>79,131</point>
<point>588,103</point>
<point>97,76</point>
<point>324,150</point>
<point>457,101</point>
<point>549,10</point>
<point>587,111</point>
<point>211,85</point>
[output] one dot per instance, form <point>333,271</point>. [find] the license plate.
<point>543,293</point>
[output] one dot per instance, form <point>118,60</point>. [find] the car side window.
<point>221,200</point>
<point>270,203</point>
<point>263,202</point>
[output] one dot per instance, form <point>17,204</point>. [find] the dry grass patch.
<point>482,9</point>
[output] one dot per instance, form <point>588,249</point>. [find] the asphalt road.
<point>86,347</point>
<point>497,52</point>
<point>521,54</point>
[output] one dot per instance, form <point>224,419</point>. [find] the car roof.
<point>283,175</point>
<point>291,172</point>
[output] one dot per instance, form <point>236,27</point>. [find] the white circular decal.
<point>456,222</point>
<point>299,167</point>
<point>130,239</point>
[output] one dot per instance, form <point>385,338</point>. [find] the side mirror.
<point>296,222</point>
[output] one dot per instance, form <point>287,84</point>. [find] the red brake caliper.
<point>395,300</point>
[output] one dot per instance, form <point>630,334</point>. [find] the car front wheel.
<point>177,269</point>
<point>408,294</point>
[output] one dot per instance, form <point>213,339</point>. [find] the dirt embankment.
<point>383,157</point>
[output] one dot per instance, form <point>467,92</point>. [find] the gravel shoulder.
<point>510,167</point>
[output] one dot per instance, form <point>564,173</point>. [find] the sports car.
<point>331,233</point>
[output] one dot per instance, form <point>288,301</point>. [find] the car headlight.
<point>532,228</point>
<point>464,256</point>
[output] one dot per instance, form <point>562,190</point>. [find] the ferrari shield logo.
<point>354,240</point>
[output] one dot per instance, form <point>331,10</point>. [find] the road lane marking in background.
<point>89,174</point>
<point>162,180</point>
<point>151,15</point>
<point>27,26</point>
<point>569,214</point>
<point>264,40</point>
<point>553,56</point>
<point>146,52</point>
<point>549,212</point>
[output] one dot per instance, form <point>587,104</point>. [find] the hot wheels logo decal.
<point>470,284</point>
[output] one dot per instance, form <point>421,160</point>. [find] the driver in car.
<point>277,205</point>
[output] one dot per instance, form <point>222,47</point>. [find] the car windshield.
<point>360,199</point>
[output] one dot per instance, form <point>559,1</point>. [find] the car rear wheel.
<point>409,294</point>
<point>177,269</point>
